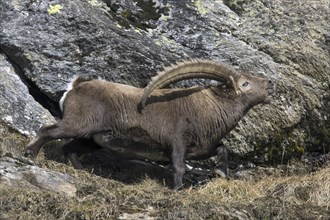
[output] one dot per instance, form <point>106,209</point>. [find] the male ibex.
<point>166,125</point>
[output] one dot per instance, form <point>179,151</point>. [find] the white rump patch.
<point>68,88</point>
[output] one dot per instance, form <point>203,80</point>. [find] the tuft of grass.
<point>11,142</point>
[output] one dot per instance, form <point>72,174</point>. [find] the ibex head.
<point>255,89</point>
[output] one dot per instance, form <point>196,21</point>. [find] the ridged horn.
<point>193,69</point>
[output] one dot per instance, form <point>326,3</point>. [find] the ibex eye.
<point>245,84</point>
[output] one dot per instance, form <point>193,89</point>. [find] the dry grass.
<point>287,197</point>
<point>10,140</point>
<point>311,189</point>
<point>272,196</point>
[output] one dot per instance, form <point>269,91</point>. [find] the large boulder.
<point>18,109</point>
<point>129,41</point>
<point>20,173</point>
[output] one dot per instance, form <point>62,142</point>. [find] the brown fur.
<point>176,124</point>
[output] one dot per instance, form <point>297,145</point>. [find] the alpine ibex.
<point>165,125</point>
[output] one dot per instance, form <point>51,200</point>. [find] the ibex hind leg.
<point>59,130</point>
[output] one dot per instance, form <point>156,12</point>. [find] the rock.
<point>18,109</point>
<point>22,173</point>
<point>127,42</point>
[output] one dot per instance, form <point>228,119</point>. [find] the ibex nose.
<point>270,83</point>
<point>271,87</point>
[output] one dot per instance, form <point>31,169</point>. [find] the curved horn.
<point>191,70</point>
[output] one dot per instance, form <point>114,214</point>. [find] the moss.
<point>143,19</point>
<point>290,144</point>
<point>200,8</point>
<point>163,40</point>
<point>325,135</point>
<point>164,17</point>
<point>236,5</point>
<point>54,9</point>
<point>299,149</point>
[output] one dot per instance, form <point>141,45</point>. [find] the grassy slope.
<point>296,196</point>
<point>266,195</point>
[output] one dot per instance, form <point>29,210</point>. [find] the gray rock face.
<point>16,172</point>
<point>18,109</point>
<point>128,41</point>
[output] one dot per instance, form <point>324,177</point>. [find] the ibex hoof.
<point>222,171</point>
<point>179,187</point>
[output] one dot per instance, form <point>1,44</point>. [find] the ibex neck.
<point>249,101</point>
<point>226,112</point>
